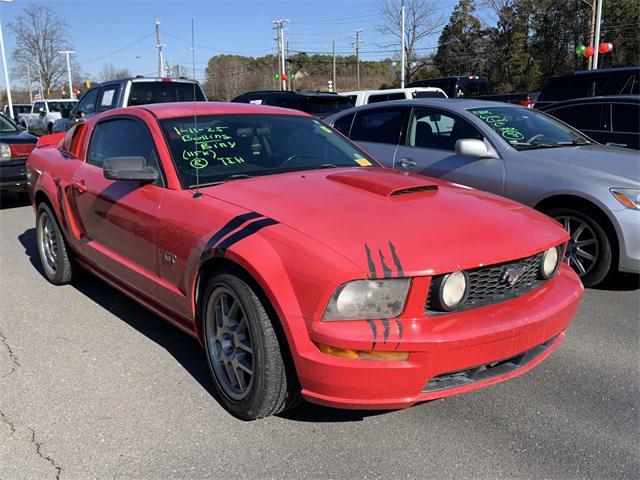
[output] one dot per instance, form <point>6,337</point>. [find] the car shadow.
<point>13,200</point>
<point>182,347</point>
<point>622,282</point>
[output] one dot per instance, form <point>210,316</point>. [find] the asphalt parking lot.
<point>94,386</point>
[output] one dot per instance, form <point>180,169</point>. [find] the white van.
<point>364,97</point>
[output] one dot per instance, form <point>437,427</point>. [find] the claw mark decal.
<point>386,271</point>
<point>372,267</point>
<point>399,325</point>
<point>385,334</point>
<point>374,330</point>
<point>229,227</point>
<point>396,260</point>
<point>249,229</point>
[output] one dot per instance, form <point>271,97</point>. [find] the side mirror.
<point>129,169</point>
<point>42,112</point>
<point>471,147</point>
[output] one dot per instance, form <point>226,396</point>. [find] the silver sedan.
<point>523,154</point>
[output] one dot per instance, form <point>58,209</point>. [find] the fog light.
<point>550,262</point>
<point>451,290</point>
<point>363,355</point>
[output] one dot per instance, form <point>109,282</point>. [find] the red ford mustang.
<point>299,263</point>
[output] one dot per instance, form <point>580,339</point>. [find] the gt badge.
<point>169,257</point>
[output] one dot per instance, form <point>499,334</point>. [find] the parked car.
<point>20,113</point>
<point>320,104</point>
<point>45,112</point>
<point>296,260</point>
<point>15,146</point>
<point>590,83</point>
<point>522,154</point>
<point>126,92</point>
<point>461,86</point>
<point>613,121</point>
<point>365,97</point>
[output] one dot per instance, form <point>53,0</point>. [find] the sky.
<point>122,32</point>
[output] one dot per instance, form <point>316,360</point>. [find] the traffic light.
<point>87,83</point>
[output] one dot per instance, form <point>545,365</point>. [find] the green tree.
<point>460,44</point>
<point>621,27</point>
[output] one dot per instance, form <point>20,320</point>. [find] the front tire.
<point>54,255</point>
<point>589,251</point>
<point>249,370</point>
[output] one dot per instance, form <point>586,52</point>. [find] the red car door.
<point>118,219</point>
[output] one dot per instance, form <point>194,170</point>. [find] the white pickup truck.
<point>45,112</point>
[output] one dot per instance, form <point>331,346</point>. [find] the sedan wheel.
<point>582,251</point>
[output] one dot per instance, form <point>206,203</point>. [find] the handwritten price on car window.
<point>500,124</point>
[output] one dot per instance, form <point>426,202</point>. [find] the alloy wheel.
<point>48,243</point>
<point>229,343</point>
<point>583,249</point>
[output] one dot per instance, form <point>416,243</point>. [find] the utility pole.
<point>333,76</point>
<point>7,86</point>
<point>593,31</point>
<point>29,82</point>
<point>596,41</point>
<point>402,54</point>
<point>280,26</point>
<point>357,45</point>
<point>66,54</point>
<point>159,47</point>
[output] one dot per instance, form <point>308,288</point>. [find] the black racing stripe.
<point>229,227</point>
<point>372,266</point>
<point>396,260</point>
<point>399,325</point>
<point>247,230</point>
<point>385,322</point>
<point>386,271</point>
<point>374,331</point>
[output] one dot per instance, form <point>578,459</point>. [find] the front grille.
<point>488,284</point>
<point>487,371</point>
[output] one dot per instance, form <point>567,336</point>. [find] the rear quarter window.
<point>378,125</point>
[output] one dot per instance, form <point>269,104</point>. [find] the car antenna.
<point>197,194</point>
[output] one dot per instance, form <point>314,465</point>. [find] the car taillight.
<point>166,80</point>
<point>527,103</point>
<point>19,150</point>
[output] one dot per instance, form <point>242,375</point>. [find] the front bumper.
<point>629,234</point>
<point>447,354</point>
<point>13,175</point>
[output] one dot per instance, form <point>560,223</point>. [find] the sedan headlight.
<point>550,262</point>
<point>5,151</point>
<point>363,299</point>
<point>451,290</point>
<point>629,197</point>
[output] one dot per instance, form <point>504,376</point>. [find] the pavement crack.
<point>14,360</point>
<point>48,458</point>
<point>4,419</point>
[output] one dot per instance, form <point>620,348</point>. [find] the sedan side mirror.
<point>129,169</point>
<point>471,147</point>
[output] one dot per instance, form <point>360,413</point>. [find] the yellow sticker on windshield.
<point>363,162</point>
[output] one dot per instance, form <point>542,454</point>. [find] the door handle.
<point>80,186</point>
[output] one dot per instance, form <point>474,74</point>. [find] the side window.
<point>37,106</point>
<point>122,137</point>
<point>625,117</point>
<point>582,117</point>
<point>343,124</point>
<point>108,98</point>
<point>430,128</point>
<point>87,103</point>
<point>381,97</point>
<point>382,125</point>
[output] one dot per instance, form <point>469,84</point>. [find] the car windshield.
<point>325,106</point>
<point>526,129</point>
<point>143,92</point>
<point>219,148</point>
<point>6,125</point>
<point>60,106</point>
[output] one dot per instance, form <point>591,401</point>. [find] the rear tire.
<point>589,251</point>
<point>52,248</point>
<point>249,367</point>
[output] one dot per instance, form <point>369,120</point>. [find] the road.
<point>94,386</point>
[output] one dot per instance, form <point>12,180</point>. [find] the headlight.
<point>550,262</point>
<point>5,151</point>
<point>362,299</point>
<point>629,197</point>
<point>451,290</point>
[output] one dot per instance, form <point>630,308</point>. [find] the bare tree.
<point>40,36</point>
<point>421,20</point>
<point>109,72</point>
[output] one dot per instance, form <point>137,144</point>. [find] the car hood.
<point>386,221</point>
<point>601,159</point>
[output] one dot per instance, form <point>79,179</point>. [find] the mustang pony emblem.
<point>511,275</point>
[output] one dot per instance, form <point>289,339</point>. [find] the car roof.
<point>185,109</point>
<point>290,93</point>
<point>451,103</point>
<point>393,90</point>
<point>601,99</point>
<point>56,100</point>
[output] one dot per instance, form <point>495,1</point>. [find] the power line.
<point>118,50</point>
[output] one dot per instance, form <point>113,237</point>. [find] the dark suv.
<point>320,104</point>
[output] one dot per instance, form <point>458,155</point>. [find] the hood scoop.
<point>384,182</point>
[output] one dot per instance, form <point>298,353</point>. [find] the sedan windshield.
<point>218,148</point>
<point>526,129</point>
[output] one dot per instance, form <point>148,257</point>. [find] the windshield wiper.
<point>573,143</point>
<point>237,176</point>
<point>532,144</point>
